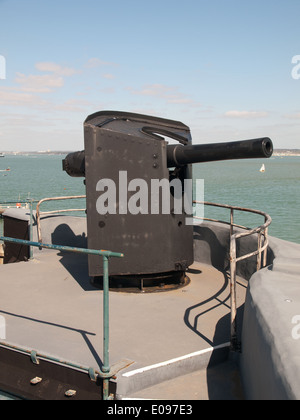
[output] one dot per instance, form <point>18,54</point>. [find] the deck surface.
<point>50,306</point>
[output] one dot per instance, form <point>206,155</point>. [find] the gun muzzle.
<point>178,155</point>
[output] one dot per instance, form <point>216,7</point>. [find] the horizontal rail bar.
<point>228,206</point>
<point>258,229</point>
<point>60,211</point>
<point>71,197</point>
<point>38,212</point>
<point>221,221</point>
<point>102,252</point>
<point>252,254</point>
<point>29,352</point>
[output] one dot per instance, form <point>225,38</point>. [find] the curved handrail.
<point>38,212</point>
<point>234,236</point>
<point>263,242</point>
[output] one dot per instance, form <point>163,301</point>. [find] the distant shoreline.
<point>277,152</point>
<point>48,152</point>
<point>286,152</point>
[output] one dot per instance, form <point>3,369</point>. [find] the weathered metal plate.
<point>119,151</point>
<point>17,372</point>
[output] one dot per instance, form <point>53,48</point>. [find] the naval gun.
<point>139,193</point>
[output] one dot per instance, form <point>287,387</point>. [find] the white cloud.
<point>11,96</point>
<point>108,76</point>
<point>28,88</point>
<point>96,62</point>
<point>73,105</point>
<point>55,68</point>
<point>246,114</point>
<point>295,116</point>
<point>171,94</point>
<point>43,83</point>
<point>39,83</point>
<point>28,120</point>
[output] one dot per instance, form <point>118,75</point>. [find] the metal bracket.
<point>114,369</point>
<point>92,375</point>
<point>33,357</point>
<point>36,380</point>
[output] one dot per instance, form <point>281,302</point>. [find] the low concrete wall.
<point>270,358</point>
<point>212,244</point>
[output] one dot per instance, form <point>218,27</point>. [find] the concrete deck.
<point>173,338</point>
<point>50,306</point>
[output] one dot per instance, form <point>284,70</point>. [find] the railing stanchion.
<point>233,306</point>
<point>231,222</point>
<point>105,368</point>
<point>30,228</point>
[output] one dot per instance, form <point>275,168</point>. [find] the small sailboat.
<point>263,168</point>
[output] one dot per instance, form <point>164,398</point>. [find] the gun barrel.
<point>178,155</point>
<point>74,164</point>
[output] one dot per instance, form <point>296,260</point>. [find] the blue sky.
<point>223,67</point>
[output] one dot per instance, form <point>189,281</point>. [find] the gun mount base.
<point>149,283</point>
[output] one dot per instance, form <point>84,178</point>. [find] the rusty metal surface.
<point>14,252</point>
<point>45,381</point>
<point>162,282</point>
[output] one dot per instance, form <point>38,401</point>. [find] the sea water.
<point>239,183</point>
<point>275,191</point>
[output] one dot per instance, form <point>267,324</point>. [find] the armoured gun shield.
<point>133,203</point>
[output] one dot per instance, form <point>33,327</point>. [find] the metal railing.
<point>39,213</point>
<point>260,252</point>
<point>106,371</point>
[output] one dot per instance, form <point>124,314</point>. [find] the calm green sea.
<point>276,191</point>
